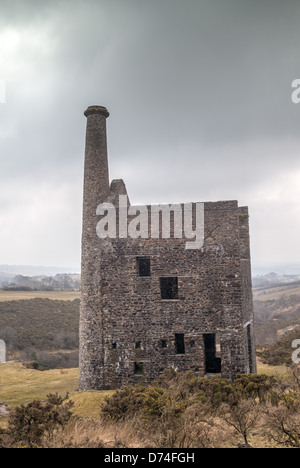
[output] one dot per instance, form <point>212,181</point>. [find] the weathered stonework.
<point>128,331</point>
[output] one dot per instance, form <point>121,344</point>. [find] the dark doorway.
<point>212,362</point>
<point>179,343</point>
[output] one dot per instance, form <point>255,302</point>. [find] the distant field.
<point>54,295</point>
<point>276,292</point>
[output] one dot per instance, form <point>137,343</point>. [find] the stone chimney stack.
<point>96,189</point>
<point>96,179</point>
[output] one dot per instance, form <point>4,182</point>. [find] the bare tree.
<point>284,421</point>
<point>242,416</point>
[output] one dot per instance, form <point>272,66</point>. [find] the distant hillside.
<point>41,329</point>
<point>274,279</point>
<point>279,352</point>
<point>280,269</point>
<point>277,310</point>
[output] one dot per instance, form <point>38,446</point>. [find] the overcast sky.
<point>199,93</point>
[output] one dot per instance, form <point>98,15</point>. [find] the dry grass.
<point>87,404</point>
<point>277,371</point>
<point>21,385</point>
<point>88,433</point>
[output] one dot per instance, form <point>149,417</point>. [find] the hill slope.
<point>32,326</point>
<point>277,310</point>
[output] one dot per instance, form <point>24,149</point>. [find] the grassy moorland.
<point>43,326</point>
<point>21,385</point>
<point>168,414</point>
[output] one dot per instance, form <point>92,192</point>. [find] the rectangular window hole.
<point>138,368</point>
<point>169,287</point>
<point>144,267</point>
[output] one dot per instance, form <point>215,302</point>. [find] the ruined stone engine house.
<point>150,304</point>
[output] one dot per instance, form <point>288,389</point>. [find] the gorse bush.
<point>30,425</point>
<point>217,390</point>
<point>149,401</point>
<point>178,391</point>
<point>181,410</point>
<point>123,404</point>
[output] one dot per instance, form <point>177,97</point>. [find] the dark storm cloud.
<point>202,71</point>
<point>199,94</point>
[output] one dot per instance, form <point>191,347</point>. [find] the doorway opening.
<point>212,361</point>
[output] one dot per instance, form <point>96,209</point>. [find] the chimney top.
<point>96,110</point>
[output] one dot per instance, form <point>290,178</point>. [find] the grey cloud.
<point>199,94</point>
